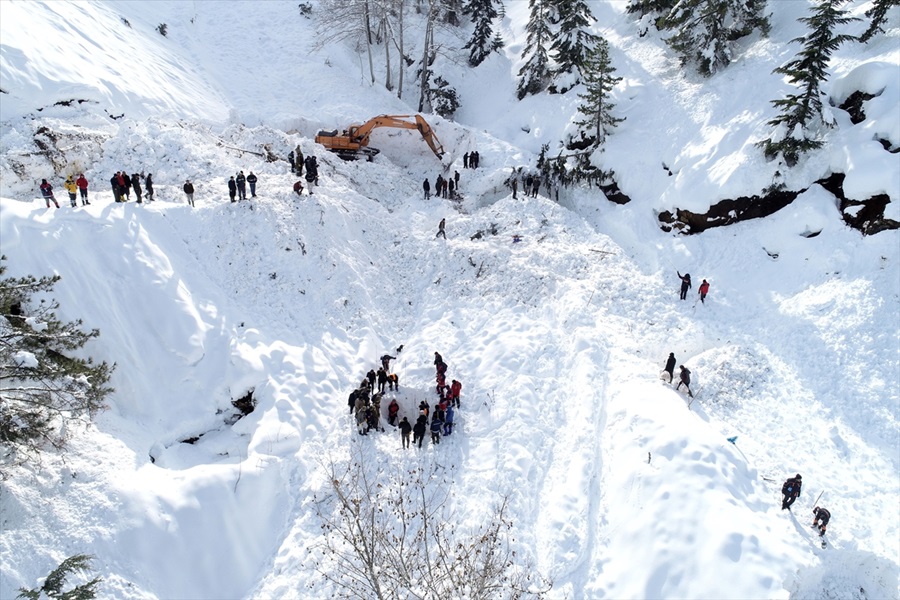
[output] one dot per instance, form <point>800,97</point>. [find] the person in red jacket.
<point>82,184</point>
<point>47,193</point>
<point>455,389</point>
<point>704,289</point>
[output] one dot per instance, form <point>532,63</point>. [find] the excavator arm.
<point>355,139</point>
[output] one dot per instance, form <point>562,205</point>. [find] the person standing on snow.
<point>448,420</point>
<point>822,516</point>
<point>790,491</point>
<point>427,188</point>
<point>405,428</point>
<point>232,188</point>
<point>419,429</point>
<point>703,290</point>
<point>136,186</point>
<point>685,380</point>
<point>148,186</point>
<point>47,193</point>
<point>685,284</point>
<point>437,425</point>
<point>251,179</point>
<point>189,192</point>
<point>82,184</point>
<point>241,182</point>
<point>312,173</point>
<point>393,409</point>
<point>291,160</point>
<point>72,189</point>
<point>670,366</point>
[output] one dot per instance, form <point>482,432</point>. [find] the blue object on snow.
<point>732,439</point>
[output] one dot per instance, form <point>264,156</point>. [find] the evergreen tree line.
<point>561,53</point>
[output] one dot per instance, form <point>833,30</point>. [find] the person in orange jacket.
<point>703,290</point>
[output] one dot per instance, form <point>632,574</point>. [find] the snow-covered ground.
<point>619,486</point>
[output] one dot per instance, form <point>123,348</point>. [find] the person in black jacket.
<point>685,380</point>
<point>405,428</point>
<point>685,284</point>
<point>232,188</point>
<point>136,186</point>
<point>427,187</point>
<point>670,366</point>
<point>148,186</point>
<point>822,516</point>
<point>419,429</point>
<point>790,491</point>
<point>189,192</point>
<point>251,179</point>
<point>241,182</point>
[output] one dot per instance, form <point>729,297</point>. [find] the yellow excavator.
<point>353,142</point>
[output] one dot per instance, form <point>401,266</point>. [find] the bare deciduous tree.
<point>390,533</point>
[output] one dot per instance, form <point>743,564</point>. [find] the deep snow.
<point>617,488</point>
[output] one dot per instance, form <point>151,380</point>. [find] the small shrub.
<point>53,584</point>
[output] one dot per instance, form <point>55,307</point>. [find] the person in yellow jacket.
<point>72,189</point>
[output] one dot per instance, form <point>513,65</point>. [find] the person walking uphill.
<point>685,380</point>
<point>703,290</point>
<point>189,192</point>
<point>441,231</point>
<point>82,184</point>
<point>685,284</point>
<point>790,491</point>
<point>670,366</point>
<point>47,193</point>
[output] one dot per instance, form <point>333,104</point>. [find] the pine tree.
<point>706,29</point>
<point>877,13</point>
<point>649,7</point>
<point>484,39</point>
<point>797,127</point>
<point>596,110</point>
<point>41,384</point>
<point>535,73</point>
<point>56,579</point>
<point>572,43</point>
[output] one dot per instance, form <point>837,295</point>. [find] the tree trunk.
<point>369,41</point>
<point>426,53</point>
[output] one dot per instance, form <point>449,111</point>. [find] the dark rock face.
<point>869,219</point>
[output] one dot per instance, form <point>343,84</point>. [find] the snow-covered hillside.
<point>618,485</point>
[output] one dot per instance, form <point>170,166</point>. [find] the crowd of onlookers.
<point>365,405</point>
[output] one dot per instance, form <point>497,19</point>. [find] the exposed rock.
<point>869,219</point>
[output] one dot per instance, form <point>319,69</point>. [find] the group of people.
<point>312,172</point>
<point>686,285</point>
<point>443,187</point>
<point>443,416</point>
<point>684,375</point>
<point>471,159</point>
<point>237,187</point>
<point>122,185</point>
<point>790,491</point>
<point>365,402</point>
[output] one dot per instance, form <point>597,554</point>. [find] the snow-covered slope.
<point>618,487</point>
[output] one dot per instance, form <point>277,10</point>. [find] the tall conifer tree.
<point>534,76</point>
<point>705,30</point>
<point>798,126</point>
<point>573,42</point>
<point>877,13</point>
<point>484,39</point>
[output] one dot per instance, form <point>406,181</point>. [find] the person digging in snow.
<point>822,516</point>
<point>790,491</point>
<point>685,284</point>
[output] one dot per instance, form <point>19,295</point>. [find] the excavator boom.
<point>355,139</point>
